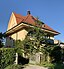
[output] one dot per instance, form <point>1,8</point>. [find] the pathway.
<point>34,67</point>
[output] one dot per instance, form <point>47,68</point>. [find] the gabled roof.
<point>29,19</point>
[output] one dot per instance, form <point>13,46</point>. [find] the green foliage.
<point>38,22</point>
<point>33,43</point>
<point>1,35</point>
<point>46,64</point>
<point>58,66</point>
<point>7,57</point>
<point>19,48</point>
<point>1,40</point>
<point>56,54</point>
<point>14,67</point>
<point>34,39</point>
<point>37,42</point>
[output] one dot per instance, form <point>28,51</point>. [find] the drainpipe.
<point>16,61</point>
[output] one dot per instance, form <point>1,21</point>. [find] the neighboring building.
<point>18,28</point>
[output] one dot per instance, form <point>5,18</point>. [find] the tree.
<point>1,39</point>
<point>34,38</point>
<point>35,42</point>
<point>56,54</point>
<point>19,47</point>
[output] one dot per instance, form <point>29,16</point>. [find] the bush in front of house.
<point>56,54</point>
<point>7,57</point>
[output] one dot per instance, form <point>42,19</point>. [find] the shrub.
<point>7,57</point>
<point>56,54</point>
<point>14,67</point>
<point>46,64</point>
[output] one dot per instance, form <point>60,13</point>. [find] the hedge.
<point>7,57</point>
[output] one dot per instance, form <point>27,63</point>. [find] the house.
<point>18,25</point>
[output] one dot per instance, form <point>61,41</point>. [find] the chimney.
<point>28,12</point>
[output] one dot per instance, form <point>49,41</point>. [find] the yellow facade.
<point>20,35</point>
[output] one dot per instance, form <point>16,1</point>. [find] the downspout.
<point>16,60</point>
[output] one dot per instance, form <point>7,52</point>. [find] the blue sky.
<point>50,12</point>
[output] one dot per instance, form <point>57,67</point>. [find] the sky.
<point>51,12</point>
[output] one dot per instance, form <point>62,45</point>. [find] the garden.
<point>35,42</point>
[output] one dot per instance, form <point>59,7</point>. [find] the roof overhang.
<point>16,29</point>
<point>26,25</point>
<point>50,31</point>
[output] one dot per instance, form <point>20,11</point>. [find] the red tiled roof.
<point>30,20</point>
<point>49,28</point>
<point>19,18</point>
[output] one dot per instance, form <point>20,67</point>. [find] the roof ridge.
<point>26,17</point>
